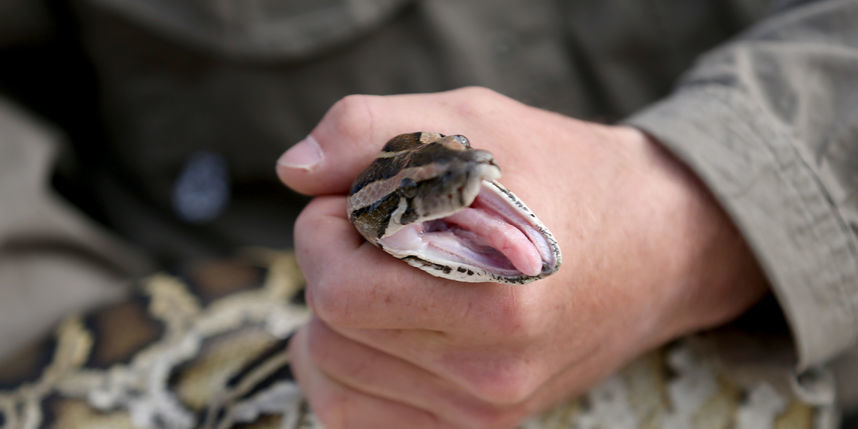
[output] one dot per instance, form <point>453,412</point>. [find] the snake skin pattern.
<point>205,347</point>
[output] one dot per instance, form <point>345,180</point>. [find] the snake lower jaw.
<point>497,239</point>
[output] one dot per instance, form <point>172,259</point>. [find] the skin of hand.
<point>648,255</point>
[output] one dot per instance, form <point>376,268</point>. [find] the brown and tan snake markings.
<point>424,199</point>
<point>211,353</point>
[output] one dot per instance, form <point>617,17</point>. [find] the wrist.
<point>707,274</point>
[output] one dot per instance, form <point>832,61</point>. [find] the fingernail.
<point>305,155</point>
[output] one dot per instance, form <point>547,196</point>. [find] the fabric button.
<point>201,192</point>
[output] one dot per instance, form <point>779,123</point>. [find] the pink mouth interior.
<point>488,234</point>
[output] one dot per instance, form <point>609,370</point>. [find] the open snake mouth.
<point>495,233</point>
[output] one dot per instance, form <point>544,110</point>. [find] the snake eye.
<point>407,187</point>
<point>463,141</point>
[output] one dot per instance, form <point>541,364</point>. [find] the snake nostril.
<point>463,141</point>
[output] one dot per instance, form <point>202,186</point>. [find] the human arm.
<point>768,123</point>
<point>648,256</point>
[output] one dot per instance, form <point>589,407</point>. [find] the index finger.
<point>351,283</point>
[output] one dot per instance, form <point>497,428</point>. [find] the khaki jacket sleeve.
<point>770,122</point>
<point>53,260</point>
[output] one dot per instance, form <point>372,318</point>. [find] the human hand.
<point>647,256</point>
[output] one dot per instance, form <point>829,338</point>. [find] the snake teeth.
<point>435,203</point>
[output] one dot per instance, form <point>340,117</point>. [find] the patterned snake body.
<point>207,349</point>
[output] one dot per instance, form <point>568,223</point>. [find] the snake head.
<point>419,176</point>
<point>440,178</point>
<point>435,202</point>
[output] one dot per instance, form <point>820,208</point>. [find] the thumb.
<point>352,133</point>
<point>340,146</point>
<point>345,142</point>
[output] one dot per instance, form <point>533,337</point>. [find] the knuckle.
<point>333,409</point>
<point>337,301</point>
<point>476,92</point>
<point>515,318</point>
<point>351,116</point>
<point>310,298</point>
<point>474,101</point>
<point>327,301</point>
<point>314,217</point>
<point>305,225</point>
<point>320,291</point>
<point>317,347</point>
<point>505,381</point>
<point>493,416</point>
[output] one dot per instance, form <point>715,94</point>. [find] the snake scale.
<point>205,346</point>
